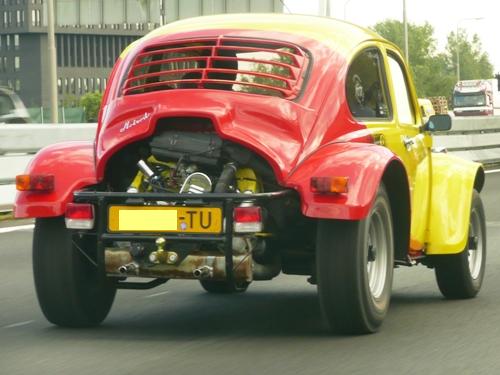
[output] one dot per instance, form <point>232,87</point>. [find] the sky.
<point>443,15</point>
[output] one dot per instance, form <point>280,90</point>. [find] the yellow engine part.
<point>138,181</point>
<point>247,181</point>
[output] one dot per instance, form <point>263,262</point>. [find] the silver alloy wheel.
<point>377,253</point>
<point>475,255</point>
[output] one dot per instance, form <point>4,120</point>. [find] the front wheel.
<point>354,263</point>
<point>460,276</point>
<point>70,291</point>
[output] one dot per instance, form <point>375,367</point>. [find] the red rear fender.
<point>363,164</point>
<point>72,164</point>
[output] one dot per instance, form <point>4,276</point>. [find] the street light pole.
<point>325,8</point>
<point>51,40</point>
<point>457,41</point>
<point>458,53</point>
<point>405,26</point>
<point>345,9</point>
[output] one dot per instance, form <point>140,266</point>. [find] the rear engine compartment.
<point>186,156</point>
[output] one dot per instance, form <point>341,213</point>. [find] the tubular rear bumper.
<point>227,201</point>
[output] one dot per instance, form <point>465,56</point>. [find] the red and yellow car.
<point>232,148</point>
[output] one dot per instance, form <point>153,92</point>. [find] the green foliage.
<point>474,62</point>
<point>69,101</point>
<point>435,73</point>
<point>91,103</point>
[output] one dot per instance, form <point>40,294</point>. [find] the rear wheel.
<point>70,291</point>
<point>224,287</point>
<point>461,275</point>
<point>354,262</point>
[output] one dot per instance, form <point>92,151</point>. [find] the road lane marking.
<point>20,324</point>
<point>15,229</point>
<point>156,294</point>
<point>492,171</point>
<point>493,223</point>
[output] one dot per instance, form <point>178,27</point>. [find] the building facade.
<point>90,35</point>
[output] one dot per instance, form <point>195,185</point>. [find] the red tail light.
<point>79,216</point>
<point>247,219</point>
<point>40,182</point>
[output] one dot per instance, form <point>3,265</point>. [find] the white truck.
<point>479,97</point>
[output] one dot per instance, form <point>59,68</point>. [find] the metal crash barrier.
<point>473,138</point>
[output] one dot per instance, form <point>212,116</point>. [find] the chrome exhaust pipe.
<point>204,272</point>
<point>128,268</point>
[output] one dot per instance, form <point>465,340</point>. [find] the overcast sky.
<point>443,15</point>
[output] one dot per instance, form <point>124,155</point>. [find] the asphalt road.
<point>275,328</point>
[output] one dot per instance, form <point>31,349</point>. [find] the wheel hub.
<point>372,253</point>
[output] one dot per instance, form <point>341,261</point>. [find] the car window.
<point>365,87</point>
<point>401,92</point>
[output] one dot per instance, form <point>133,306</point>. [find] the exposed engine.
<point>186,162</point>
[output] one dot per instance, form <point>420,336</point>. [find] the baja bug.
<point>232,148</point>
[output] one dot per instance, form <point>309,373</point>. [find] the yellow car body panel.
<point>453,181</point>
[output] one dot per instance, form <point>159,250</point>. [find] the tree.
<point>474,62</point>
<point>435,73</point>
<point>421,42</point>
<point>91,103</point>
<point>431,73</point>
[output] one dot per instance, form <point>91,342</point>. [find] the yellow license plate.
<point>165,219</point>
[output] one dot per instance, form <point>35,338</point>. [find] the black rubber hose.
<point>226,178</point>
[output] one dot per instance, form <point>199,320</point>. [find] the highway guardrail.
<point>473,138</point>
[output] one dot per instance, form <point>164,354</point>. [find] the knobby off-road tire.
<point>224,287</point>
<point>69,290</point>
<point>354,263</point>
<point>460,276</point>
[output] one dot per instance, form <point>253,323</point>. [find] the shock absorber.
<point>226,178</point>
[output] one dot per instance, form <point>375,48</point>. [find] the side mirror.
<point>438,123</point>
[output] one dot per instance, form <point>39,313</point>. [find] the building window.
<point>16,41</point>
<point>18,85</point>
<point>67,12</point>
<point>33,17</point>
<point>17,63</point>
<point>90,12</point>
<point>18,18</point>
<point>59,86</point>
<point>7,41</point>
<point>5,62</point>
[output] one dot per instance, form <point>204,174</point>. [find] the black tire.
<point>460,276</point>
<point>69,290</point>
<point>224,287</point>
<point>353,298</point>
